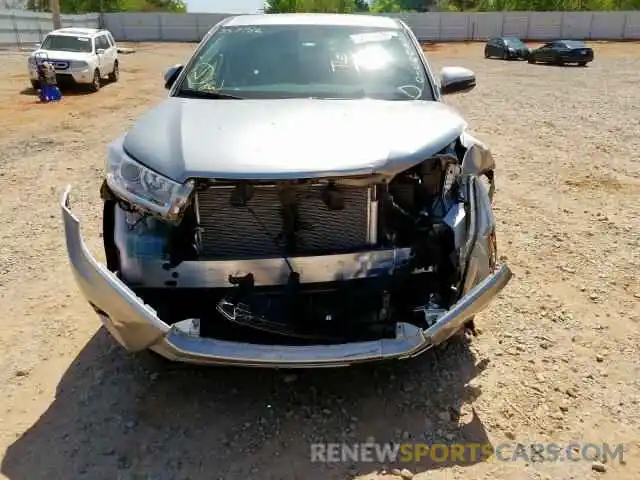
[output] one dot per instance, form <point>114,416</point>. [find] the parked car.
<point>81,56</point>
<point>560,52</point>
<point>507,48</point>
<point>322,211</point>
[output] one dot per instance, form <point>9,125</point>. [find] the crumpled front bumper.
<point>136,325</point>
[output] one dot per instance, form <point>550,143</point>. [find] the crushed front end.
<point>299,272</point>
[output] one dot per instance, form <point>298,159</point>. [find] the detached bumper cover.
<point>136,325</point>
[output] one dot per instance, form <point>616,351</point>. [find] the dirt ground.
<point>557,359</point>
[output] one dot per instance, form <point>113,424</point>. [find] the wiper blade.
<point>207,94</point>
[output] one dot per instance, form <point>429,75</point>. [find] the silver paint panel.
<point>279,139</point>
<point>136,326</point>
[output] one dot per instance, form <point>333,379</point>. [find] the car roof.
<point>89,32</point>
<point>337,19</point>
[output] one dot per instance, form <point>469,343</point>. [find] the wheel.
<point>115,75</point>
<point>531,59</point>
<point>35,84</point>
<point>95,84</point>
<point>558,61</point>
<point>582,64</point>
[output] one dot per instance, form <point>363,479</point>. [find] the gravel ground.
<point>556,360</point>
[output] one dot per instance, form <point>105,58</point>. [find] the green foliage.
<point>384,6</point>
<point>316,6</point>
<point>87,6</point>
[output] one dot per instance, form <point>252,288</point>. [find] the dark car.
<point>560,52</point>
<point>506,48</point>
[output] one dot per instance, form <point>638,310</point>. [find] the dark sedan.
<point>506,48</point>
<point>560,52</point>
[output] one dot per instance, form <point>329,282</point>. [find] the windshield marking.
<point>318,62</point>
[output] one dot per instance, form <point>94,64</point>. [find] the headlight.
<point>77,65</point>
<point>511,50</point>
<point>145,188</point>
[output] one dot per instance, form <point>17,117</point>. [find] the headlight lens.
<point>145,188</point>
<point>77,64</point>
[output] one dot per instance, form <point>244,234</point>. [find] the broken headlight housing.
<point>145,189</point>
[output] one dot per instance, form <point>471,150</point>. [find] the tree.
<point>317,6</point>
<point>86,6</point>
<point>384,6</point>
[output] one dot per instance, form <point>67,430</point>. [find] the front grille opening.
<point>258,229</point>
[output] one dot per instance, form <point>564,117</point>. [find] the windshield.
<point>67,43</point>
<point>308,61</point>
<point>574,44</point>
<point>514,42</point>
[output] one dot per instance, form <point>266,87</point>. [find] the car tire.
<point>115,75</point>
<point>95,84</point>
<point>531,59</point>
<point>35,84</point>
<point>582,64</point>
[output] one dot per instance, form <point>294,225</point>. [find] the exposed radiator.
<point>229,232</point>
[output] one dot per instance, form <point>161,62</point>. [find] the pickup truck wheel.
<point>582,64</point>
<point>35,84</point>
<point>115,75</point>
<point>95,84</point>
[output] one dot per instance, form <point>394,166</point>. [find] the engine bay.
<point>421,209</point>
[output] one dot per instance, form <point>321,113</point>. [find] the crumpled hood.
<point>291,138</point>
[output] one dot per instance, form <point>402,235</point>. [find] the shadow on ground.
<point>66,90</point>
<point>122,416</point>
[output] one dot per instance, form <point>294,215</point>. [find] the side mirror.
<point>100,51</point>
<point>456,80</point>
<point>171,76</point>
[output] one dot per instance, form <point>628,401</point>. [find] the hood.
<point>60,55</point>
<point>292,138</point>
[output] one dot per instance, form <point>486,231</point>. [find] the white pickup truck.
<point>81,56</point>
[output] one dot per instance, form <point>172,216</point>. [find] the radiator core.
<point>231,232</point>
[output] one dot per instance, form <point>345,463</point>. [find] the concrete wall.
<point>427,26</point>
<point>19,27</point>
<point>24,28</point>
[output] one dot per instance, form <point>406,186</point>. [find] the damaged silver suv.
<point>302,198</point>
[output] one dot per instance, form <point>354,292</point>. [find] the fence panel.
<point>454,26</point>
<point>485,25</point>
<point>545,25</point>
<point>632,27</point>
<point>516,24</point>
<point>608,25</point>
<point>576,25</point>
<point>140,27</point>
<point>21,27</point>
